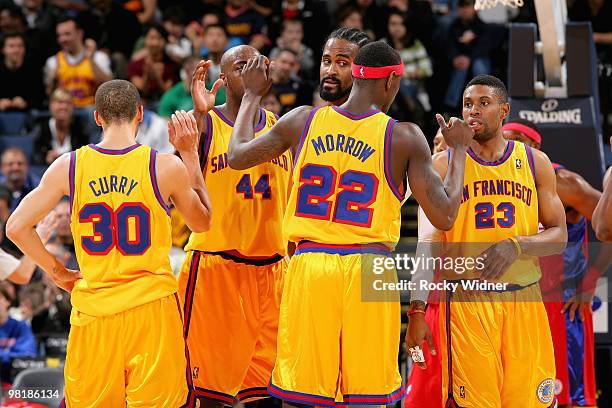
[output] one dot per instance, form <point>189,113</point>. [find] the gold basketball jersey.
<point>500,200</point>
<point>121,229</point>
<point>248,205</point>
<point>78,79</point>
<point>342,190</point>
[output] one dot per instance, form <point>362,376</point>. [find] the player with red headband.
<point>351,163</point>
<point>569,314</point>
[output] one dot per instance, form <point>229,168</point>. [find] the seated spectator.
<point>312,13</point>
<point>598,13</point>
<point>115,30</point>
<point>291,91</point>
<point>244,22</point>
<point>215,43</point>
<point>61,133</point>
<point>271,102</point>
<point>78,68</point>
<point>38,15</point>
<point>291,37</point>
<point>417,65</point>
<point>63,234</point>
<point>16,175</point>
<point>21,82</point>
<point>373,16</point>
<point>179,96</point>
<point>153,131</point>
<point>179,47</point>
<point>16,338</point>
<point>152,71</point>
<point>351,17</point>
<point>467,50</point>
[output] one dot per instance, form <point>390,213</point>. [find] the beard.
<point>333,96</point>
<point>484,135</point>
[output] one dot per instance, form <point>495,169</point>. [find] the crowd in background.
<point>56,52</point>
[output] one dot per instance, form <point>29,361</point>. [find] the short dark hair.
<point>377,54</point>
<point>289,50</point>
<point>219,26</point>
<point>13,34</point>
<point>157,27</point>
<point>14,12</point>
<point>174,14</point>
<point>492,82</point>
<point>117,101</point>
<point>352,35</point>
<point>66,18</point>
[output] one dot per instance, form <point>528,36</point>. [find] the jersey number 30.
<point>352,203</point>
<point>112,228</point>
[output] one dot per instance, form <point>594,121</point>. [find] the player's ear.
<point>139,114</point>
<point>97,118</point>
<point>505,110</point>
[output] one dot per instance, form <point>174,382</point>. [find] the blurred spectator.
<point>312,13</point>
<point>350,17</point>
<point>291,91</point>
<point>79,68</point>
<point>244,22</point>
<point>70,5</point>
<point>291,37</point>
<point>271,102</point>
<point>45,305</point>
<point>179,47</point>
<point>16,338</point>
<point>215,42</point>
<point>12,19</point>
<point>63,234</point>
<point>115,31</point>
<point>373,16</point>
<point>16,175</point>
<point>179,96</point>
<point>599,13</point>
<point>417,65</point>
<point>21,82</point>
<point>467,50</point>
<point>153,131</point>
<point>152,71</point>
<point>38,15</point>
<point>61,133</point>
<point>143,9</point>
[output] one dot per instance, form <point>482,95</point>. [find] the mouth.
<point>474,124</point>
<point>328,83</point>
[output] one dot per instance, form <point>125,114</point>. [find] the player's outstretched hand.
<point>203,99</point>
<point>256,75</point>
<point>457,133</point>
<point>183,131</point>
<point>497,258</point>
<point>63,277</point>
<point>417,333</point>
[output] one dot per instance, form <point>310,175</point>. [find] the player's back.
<point>249,204</point>
<point>121,229</point>
<point>343,191</point>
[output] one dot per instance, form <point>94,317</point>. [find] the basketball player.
<point>602,220</point>
<point>570,318</point>
<point>350,167</point>
<point>231,281</point>
<point>496,346</point>
<point>126,343</point>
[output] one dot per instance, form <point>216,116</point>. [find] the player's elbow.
<point>234,161</point>
<point>15,229</point>
<point>444,223</point>
<point>203,223</point>
<point>603,233</point>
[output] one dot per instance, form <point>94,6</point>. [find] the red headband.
<point>362,72</point>
<point>526,130</point>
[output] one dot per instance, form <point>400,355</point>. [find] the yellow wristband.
<point>519,250</point>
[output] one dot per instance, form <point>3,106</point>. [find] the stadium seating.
<point>12,122</point>
<point>25,142</point>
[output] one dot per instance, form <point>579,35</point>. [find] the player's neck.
<point>118,137</point>
<point>489,150</point>
<point>359,102</point>
<point>231,107</point>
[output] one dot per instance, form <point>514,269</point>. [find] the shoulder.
<point>408,135</point>
<point>297,115</point>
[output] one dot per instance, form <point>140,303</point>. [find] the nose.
<point>332,69</point>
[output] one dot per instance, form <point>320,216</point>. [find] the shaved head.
<point>237,54</point>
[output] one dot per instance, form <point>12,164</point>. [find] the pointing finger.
<point>441,121</point>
